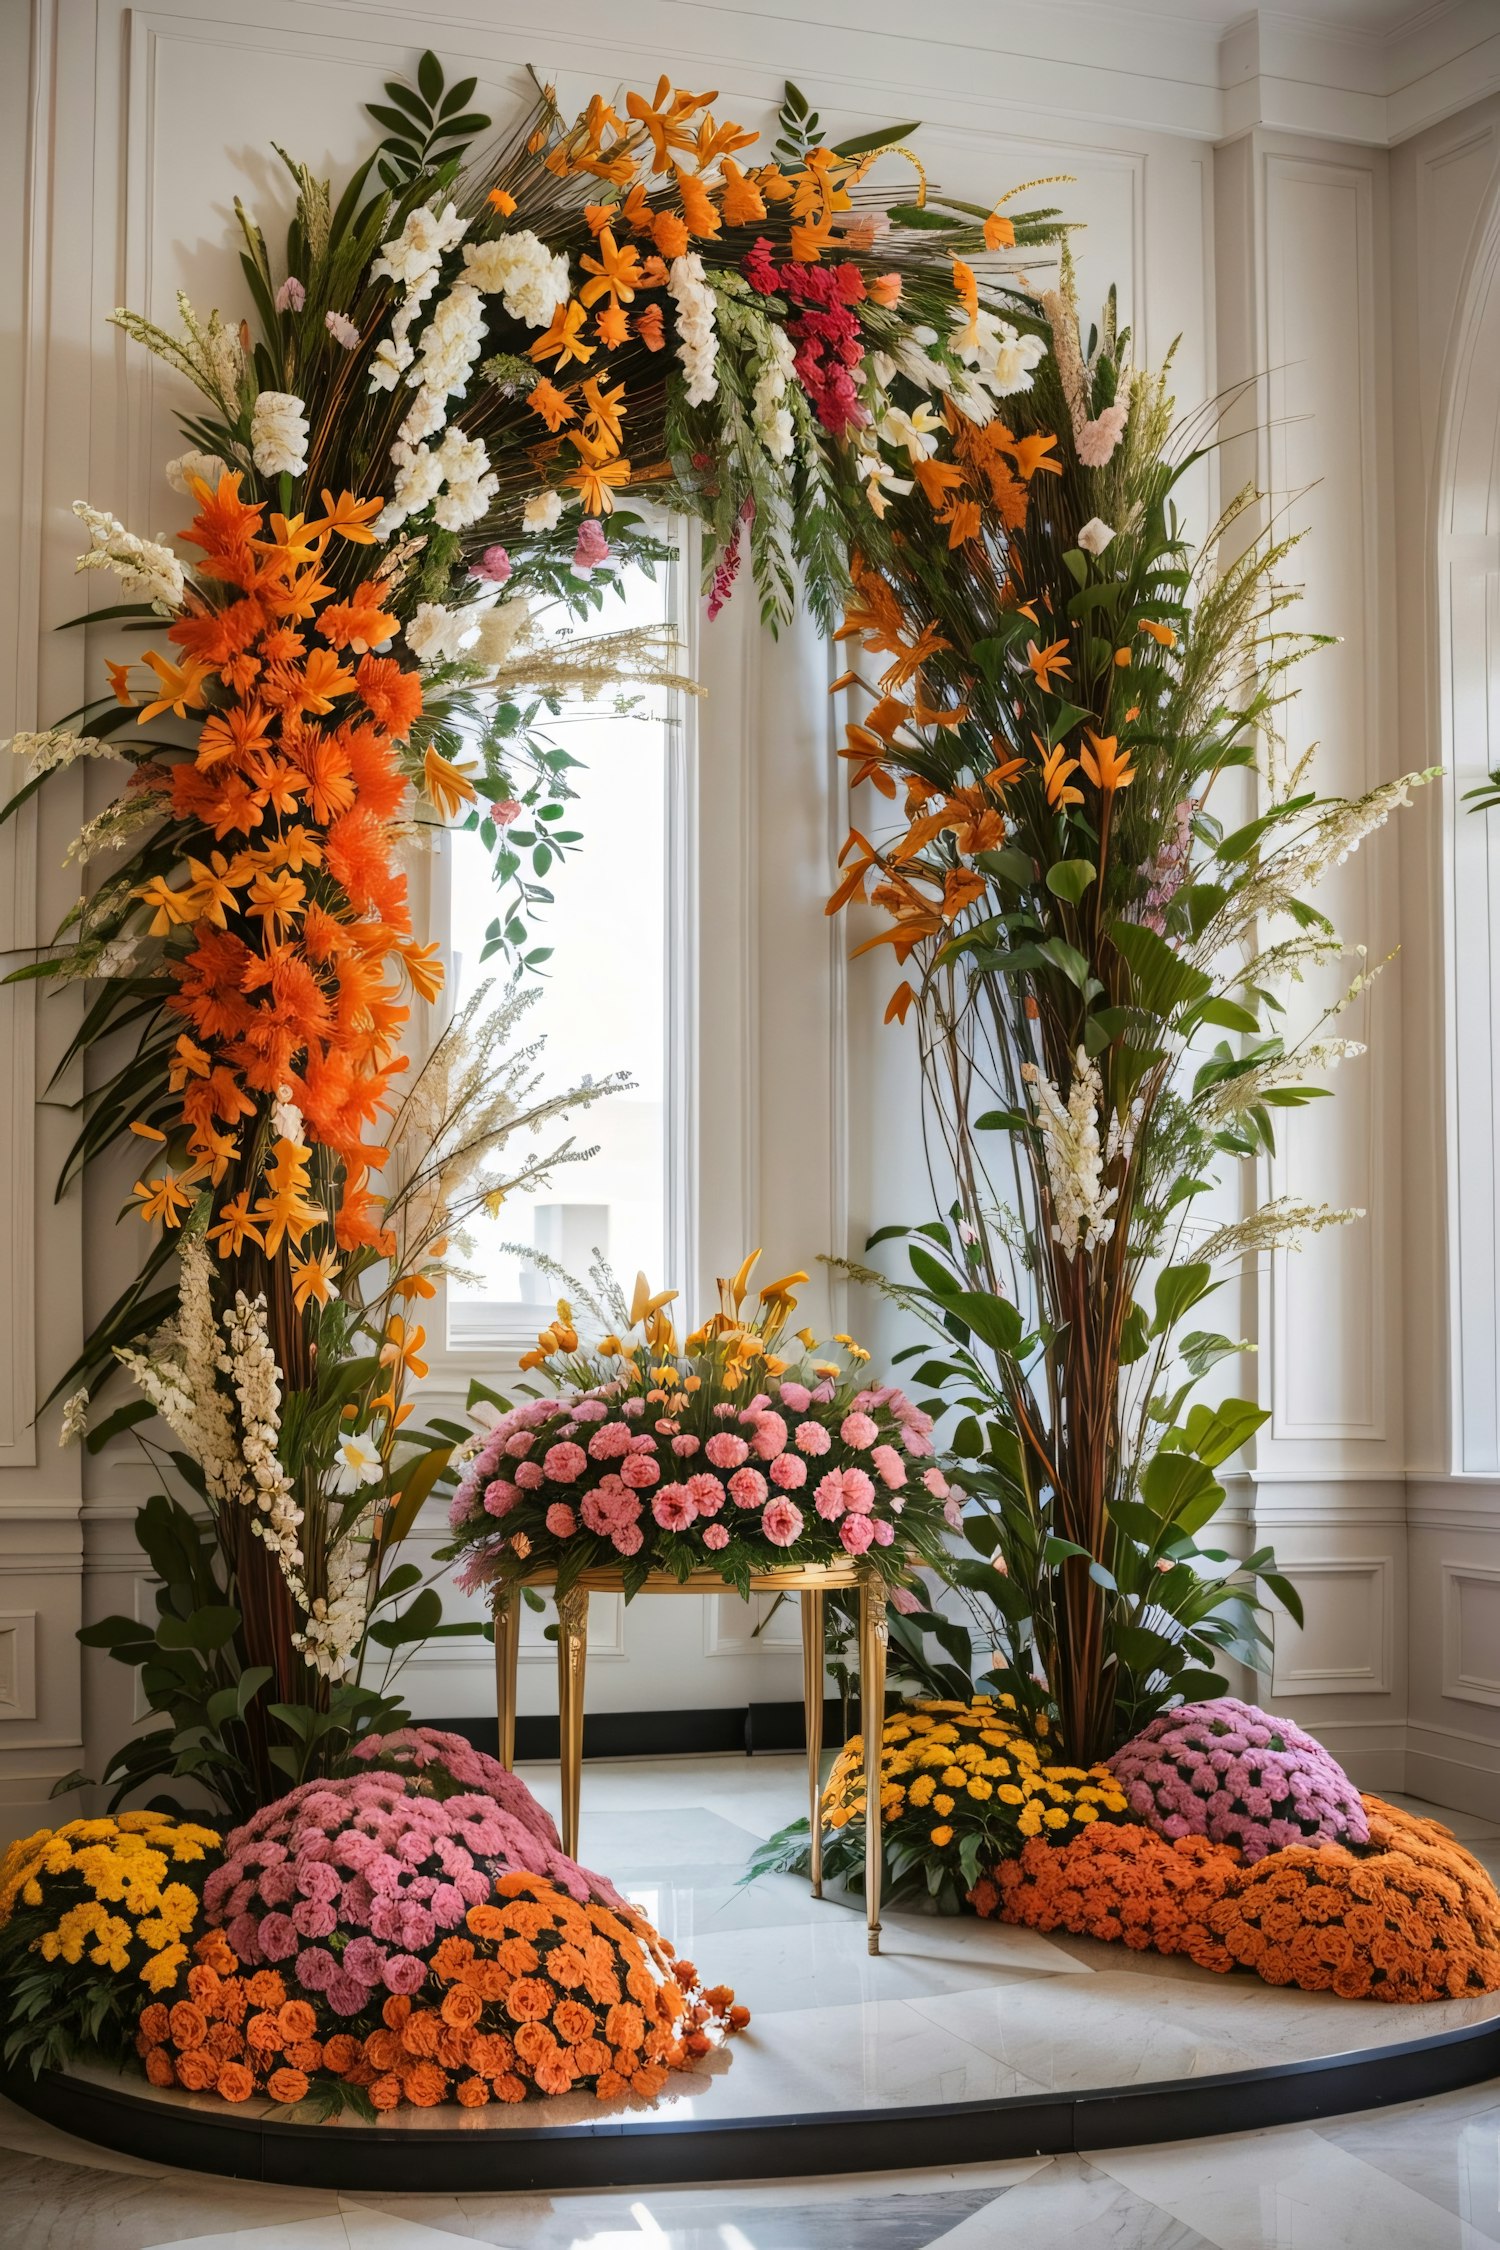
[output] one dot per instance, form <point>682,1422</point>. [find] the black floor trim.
<point>641,2152</point>
<point>751,1728</point>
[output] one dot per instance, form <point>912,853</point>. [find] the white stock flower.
<point>502,630</point>
<point>143,566</point>
<point>519,269</point>
<point>1074,1157</point>
<point>697,336</point>
<point>278,434</point>
<point>55,746</point>
<point>207,467</point>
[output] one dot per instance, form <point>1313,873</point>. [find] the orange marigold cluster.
<point>543,1996</point>
<point>1412,1917</point>
<point>296,914</point>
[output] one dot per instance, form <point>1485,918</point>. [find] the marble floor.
<point>954,2010</point>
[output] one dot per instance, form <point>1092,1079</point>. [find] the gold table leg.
<point>507,1649</point>
<point>874,1636</point>
<point>572,1650</point>
<point>812,1704</point>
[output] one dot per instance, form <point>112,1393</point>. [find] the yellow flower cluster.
<point>949,1771</point>
<point>111,1882</point>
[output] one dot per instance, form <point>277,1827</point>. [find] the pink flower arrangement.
<point>715,1454</point>
<point>1234,1773</point>
<point>346,1885</point>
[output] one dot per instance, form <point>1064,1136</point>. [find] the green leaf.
<point>1213,1433</point>
<point>884,136</point>
<point>1070,878</point>
<point>1163,983</point>
<point>1173,1483</point>
<point>1067,958</point>
<point>430,78</point>
<point>414,1623</point>
<point>123,1418</point>
<point>994,1320</point>
<point>1178,1288</point>
<point>207,1628</point>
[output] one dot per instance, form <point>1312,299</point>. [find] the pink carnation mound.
<point>1236,1774</point>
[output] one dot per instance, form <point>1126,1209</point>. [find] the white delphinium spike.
<point>1289,874</point>
<point>1283,1224</point>
<point>55,746</point>
<point>335,1622</point>
<point>251,1367</point>
<point>1230,1097</point>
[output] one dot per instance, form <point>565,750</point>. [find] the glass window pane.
<point>603,1004</point>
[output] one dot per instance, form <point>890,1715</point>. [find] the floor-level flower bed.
<point>1220,1832</point>
<point>410,1934</point>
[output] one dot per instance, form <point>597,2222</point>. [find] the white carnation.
<point>437,634</point>
<point>206,467</point>
<point>278,434</point>
<point>519,269</point>
<point>542,511</point>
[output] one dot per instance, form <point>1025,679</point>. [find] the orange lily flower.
<point>1030,454</point>
<point>313,1278</point>
<point>1056,767</point>
<point>742,203</point>
<point>401,1347</point>
<point>698,211</point>
<point>561,342</point>
<point>181,686</point>
<point>235,1227</point>
<point>999,233</point>
<point>611,326</point>
<point>1105,763</point>
<point>1163,635</point>
<point>594,479</point>
<point>554,406</point>
<point>448,786</point>
<point>616,272</point>
<point>1045,661</point>
<point>119,680</point>
<point>349,516</point>
<point>899,1002</point>
<point>605,412</point>
<point>164,1198</point>
<point>499,200</point>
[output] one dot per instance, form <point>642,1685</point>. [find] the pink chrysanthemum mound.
<point>446,1765</point>
<point>1230,1771</point>
<point>348,1884</point>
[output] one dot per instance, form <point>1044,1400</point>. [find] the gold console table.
<point>812,1584</point>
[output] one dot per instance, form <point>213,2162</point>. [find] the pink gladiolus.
<point>903,1599</point>
<point>782,1522</point>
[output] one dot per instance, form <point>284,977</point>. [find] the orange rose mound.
<point>538,1996</point>
<point>1412,1916</point>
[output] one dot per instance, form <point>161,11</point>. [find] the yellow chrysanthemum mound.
<point>110,1892</point>
<point>962,1787</point>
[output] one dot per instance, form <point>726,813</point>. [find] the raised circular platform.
<point>964,2042</point>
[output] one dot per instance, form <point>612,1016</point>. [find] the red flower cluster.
<point>829,343</point>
